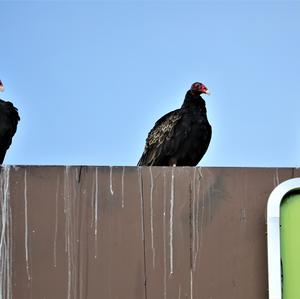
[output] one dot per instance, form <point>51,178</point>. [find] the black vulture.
<point>181,137</point>
<point>9,118</point>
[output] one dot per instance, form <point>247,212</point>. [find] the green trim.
<point>290,245</point>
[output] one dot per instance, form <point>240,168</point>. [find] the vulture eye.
<point>196,86</point>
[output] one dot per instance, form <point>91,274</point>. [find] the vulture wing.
<point>164,140</point>
<point>9,118</point>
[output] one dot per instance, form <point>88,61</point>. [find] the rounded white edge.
<point>273,229</point>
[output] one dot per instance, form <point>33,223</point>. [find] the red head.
<point>199,88</point>
<point>1,86</point>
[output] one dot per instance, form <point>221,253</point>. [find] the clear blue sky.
<point>91,78</point>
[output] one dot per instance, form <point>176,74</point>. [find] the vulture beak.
<point>207,92</point>
<point>1,86</point>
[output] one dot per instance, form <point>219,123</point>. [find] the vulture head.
<point>198,88</point>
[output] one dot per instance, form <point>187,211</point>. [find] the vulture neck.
<point>192,101</point>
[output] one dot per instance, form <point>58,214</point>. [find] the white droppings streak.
<point>201,223</point>
<point>200,172</point>
<point>179,292</point>
<point>197,218</point>
<point>111,181</point>
<point>123,175</point>
<point>171,223</point>
<point>243,210</point>
<point>66,183</point>
<point>6,236</point>
<point>26,225</point>
<point>141,201</point>
<point>191,283</point>
<point>193,217</point>
<point>151,218</point>
<point>164,233</point>
<point>67,210</point>
<point>56,222</point>
<point>276,178</point>
<point>197,226</point>
<point>92,201</point>
<point>96,213</point>
<point>71,230</point>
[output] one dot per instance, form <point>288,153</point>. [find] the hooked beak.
<point>1,86</point>
<point>204,89</point>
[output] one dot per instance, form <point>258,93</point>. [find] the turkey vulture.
<point>9,118</point>
<point>181,137</point>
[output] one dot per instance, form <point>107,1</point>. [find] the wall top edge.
<point>130,166</point>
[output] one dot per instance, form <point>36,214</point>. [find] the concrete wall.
<point>135,233</point>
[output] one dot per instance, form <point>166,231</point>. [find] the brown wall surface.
<point>135,233</point>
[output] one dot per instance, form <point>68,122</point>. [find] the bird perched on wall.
<point>9,118</point>
<point>181,137</point>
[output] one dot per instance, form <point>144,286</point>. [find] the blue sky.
<point>91,78</point>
